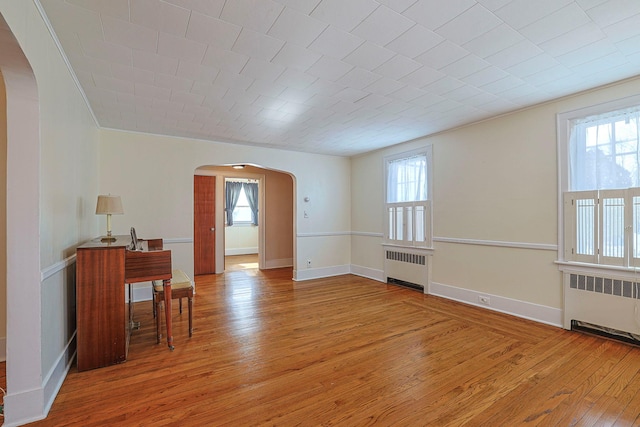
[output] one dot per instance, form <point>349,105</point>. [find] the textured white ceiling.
<point>335,76</point>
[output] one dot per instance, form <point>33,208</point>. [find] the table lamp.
<point>109,205</point>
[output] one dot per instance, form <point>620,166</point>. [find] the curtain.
<point>232,192</point>
<point>605,151</point>
<point>407,179</point>
<point>251,191</point>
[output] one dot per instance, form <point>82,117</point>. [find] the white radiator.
<point>407,267</point>
<point>605,301</point>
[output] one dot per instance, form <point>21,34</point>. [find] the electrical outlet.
<point>308,263</point>
<point>483,299</point>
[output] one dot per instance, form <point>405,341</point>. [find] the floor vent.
<point>405,284</point>
<point>602,331</point>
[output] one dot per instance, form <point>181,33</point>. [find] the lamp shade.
<point>109,205</point>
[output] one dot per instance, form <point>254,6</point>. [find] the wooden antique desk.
<point>103,321</point>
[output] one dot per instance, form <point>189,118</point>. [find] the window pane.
<point>407,179</point>
<point>420,220</point>
<point>399,224</point>
<point>392,234</point>
<point>613,227</point>
<point>585,211</point>
<point>636,227</point>
<point>242,211</point>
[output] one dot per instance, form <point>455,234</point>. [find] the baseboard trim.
<point>319,273</point>
<point>278,263</point>
<point>240,251</point>
<point>369,273</point>
<point>526,310</point>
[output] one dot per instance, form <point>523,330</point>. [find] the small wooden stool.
<point>181,287</point>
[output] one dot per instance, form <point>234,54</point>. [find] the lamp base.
<point>108,239</point>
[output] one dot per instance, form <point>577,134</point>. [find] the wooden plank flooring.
<point>348,351</point>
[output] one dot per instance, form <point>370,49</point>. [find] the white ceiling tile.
<point>154,62</point>
<point>253,44</point>
<point>493,5</point>
<point>296,57</point>
<point>588,53</point>
<point>588,4</point>
<point>442,55</point>
<point>533,65</point>
<point>208,7</point>
<point>186,97</point>
<point>358,78</point>
<point>485,76</point>
<point>130,35</point>
<point>415,41</point>
<point>345,15</point>
<point>433,15</point>
<point>368,56</point>
<point>443,85</point>
<point>325,87</point>
<point>407,94</point>
<point>224,59</point>
<point>336,43</point>
<point>613,11</point>
<point>296,27</point>
<point>304,6</point>
<point>383,26</point>
<point>556,24</point>
<point>502,85</point>
<point>493,41</point>
<point>92,65</point>
<point>176,47</point>
<point>514,54</point>
<point>329,68</point>
<point>126,72</point>
<point>173,82</point>
<point>427,100</point>
<point>197,72</point>
<point>465,66</point>
<point>116,8</point>
<point>422,77</point>
<point>398,5</point>
<point>470,24</point>
<point>105,51</point>
<point>623,30</point>
<point>264,88</point>
<point>397,67</point>
<point>160,16</point>
<point>295,79</point>
<point>259,69</point>
<point>151,91</point>
<point>463,93</point>
<point>208,30</point>
<point>543,77</point>
<point>574,39</point>
<point>520,13</point>
<point>630,46</point>
<point>258,15</point>
<point>384,86</point>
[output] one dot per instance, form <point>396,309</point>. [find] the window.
<point>242,211</point>
<point>407,204</point>
<point>602,195</point>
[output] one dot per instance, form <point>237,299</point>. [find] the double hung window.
<point>407,198</point>
<point>602,201</point>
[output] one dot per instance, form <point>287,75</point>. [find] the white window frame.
<point>406,212</point>
<point>566,211</point>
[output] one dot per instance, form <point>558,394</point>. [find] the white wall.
<point>154,176</point>
<point>52,185</point>
<point>494,207</point>
<point>241,239</point>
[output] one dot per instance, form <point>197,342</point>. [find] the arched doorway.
<point>276,207</point>
<point>25,397</point>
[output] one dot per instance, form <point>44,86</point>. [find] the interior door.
<point>204,233</point>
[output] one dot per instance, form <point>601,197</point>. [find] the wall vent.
<point>406,257</point>
<point>603,285</point>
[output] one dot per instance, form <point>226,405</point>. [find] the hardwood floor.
<point>348,351</point>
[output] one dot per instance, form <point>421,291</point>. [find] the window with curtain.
<point>407,204</point>
<point>241,202</point>
<point>602,204</point>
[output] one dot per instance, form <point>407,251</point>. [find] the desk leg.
<point>167,311</point>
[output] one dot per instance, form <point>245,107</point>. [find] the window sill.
<point>585,267</point>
